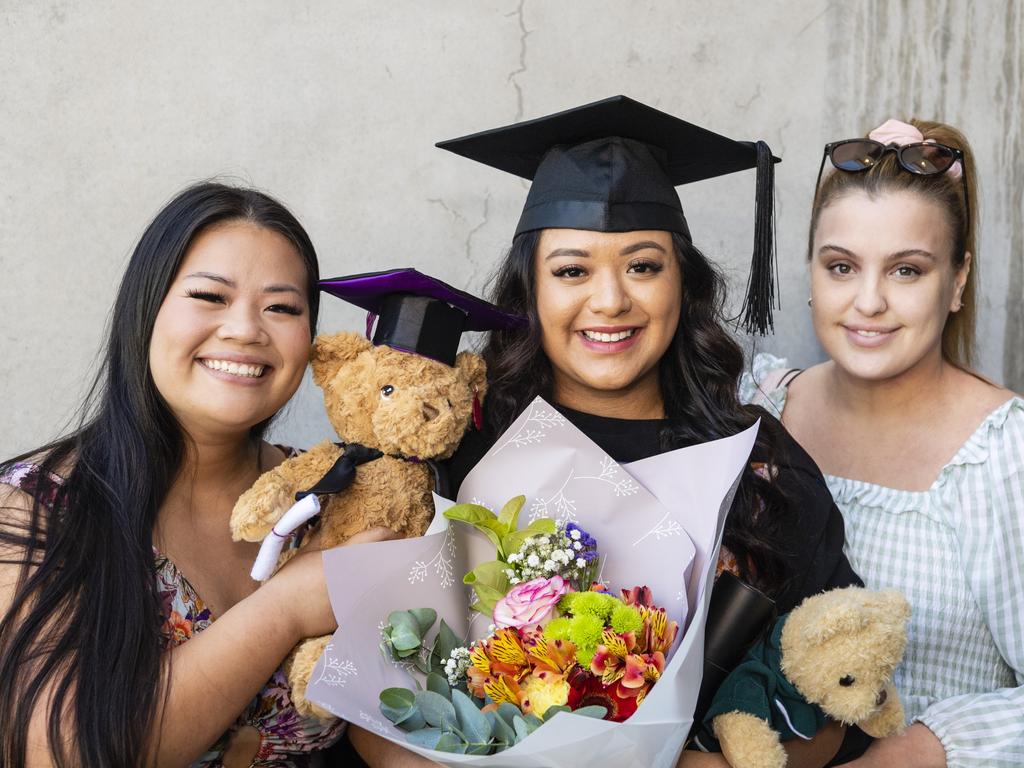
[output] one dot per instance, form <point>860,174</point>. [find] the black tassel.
<point>759,302</point>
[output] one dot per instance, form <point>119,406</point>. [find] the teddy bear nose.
<point>429,412</point>
<point>882,696</point>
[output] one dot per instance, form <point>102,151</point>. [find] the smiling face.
<point>883,283</point>
<point>232,337</point>
<point>609,305</point>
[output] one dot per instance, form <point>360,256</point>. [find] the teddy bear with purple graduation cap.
<point>399,403</point>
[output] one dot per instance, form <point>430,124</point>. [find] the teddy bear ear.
<point>473,371</point>
<point>333,350</point>
<point>893,604</point>
<point>823,616</point>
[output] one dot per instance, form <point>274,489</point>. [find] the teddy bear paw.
<point>299,669</point>
<point>748,741</point>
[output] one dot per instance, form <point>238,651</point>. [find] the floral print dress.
<point>286,739</point>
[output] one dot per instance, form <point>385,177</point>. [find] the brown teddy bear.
<point>832,657</point>
<point>408,408</point>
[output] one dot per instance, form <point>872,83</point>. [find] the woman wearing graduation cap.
<point>628,336</point>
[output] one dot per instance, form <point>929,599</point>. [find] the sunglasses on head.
<point>921,158</point>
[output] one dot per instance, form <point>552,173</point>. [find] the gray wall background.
<point>106,111</point>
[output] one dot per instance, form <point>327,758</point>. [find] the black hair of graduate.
<point>698,376</point>
<point>84,625</point>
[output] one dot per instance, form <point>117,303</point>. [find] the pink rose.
<point>530,603</point>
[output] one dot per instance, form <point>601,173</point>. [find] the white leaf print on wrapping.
<point>336,672</point>
<point>373,722</point>
<point>562,507</point>
<point>662,530</point>
<point>534,427</point>
<point>440,564</point>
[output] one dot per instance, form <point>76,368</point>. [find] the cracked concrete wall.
<point>335,106</point>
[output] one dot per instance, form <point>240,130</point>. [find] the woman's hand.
<point>303,577</point>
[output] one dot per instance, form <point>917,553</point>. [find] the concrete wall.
<point>335,106</point>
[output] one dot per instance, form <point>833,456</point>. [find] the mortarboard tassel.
<point>371,318</point>
<point>758,303</point>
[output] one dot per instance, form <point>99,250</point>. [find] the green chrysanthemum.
<point>625,618</point>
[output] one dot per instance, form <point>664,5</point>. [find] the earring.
<point>810,301</point>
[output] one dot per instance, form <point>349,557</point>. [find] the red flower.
<point>585,689</point>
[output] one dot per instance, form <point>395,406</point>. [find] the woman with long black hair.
<point>115,552</point>
<point>628,340</point>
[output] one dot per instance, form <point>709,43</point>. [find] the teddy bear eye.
<point>387,390</point>
<point>847,681</point>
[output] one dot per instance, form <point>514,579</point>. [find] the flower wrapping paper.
<point>657,522</point>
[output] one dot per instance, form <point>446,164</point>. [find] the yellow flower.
<point>502,689</point>
<point>507,648</point>
<point>544,690</point>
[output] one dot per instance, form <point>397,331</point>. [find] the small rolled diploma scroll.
<point>270,550</point>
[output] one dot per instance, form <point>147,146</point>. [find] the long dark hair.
<point>85,624</point>
<point>698,376</point>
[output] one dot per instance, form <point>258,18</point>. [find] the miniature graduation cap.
<point>613,165</point>
<point>417,313</point>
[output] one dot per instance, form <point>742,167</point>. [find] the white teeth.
<point>609,337</point>
<point>869,334</point>
<point>236,369</point>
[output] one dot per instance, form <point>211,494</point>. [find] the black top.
<point>816,553</point>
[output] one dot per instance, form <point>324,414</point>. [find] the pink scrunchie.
<point>900,133</point>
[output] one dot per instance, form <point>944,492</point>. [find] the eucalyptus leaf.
<point>446,642</point>
<point>519,725</point>
<point>397,698</point>
<point>532,722</point>
<point>554,710</point>
<point>502,731</point>
<point>425,737</point>
<point>438,683</point>
<point>592,710</point>
<point>425,618</point>
<point>436,709</point>
<point>413,722</point>
<point>508,712</point>
<point>405,631</point>
<point>449,742</point>
<point>473,723</point>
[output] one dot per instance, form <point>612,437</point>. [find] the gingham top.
<point>957,552</point>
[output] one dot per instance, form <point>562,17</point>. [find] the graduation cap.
<point>418,313</point>
<point>613,165</point>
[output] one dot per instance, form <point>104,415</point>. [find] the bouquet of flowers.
<point>559,642</point>
<point>573,664</point>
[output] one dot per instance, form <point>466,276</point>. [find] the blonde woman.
<point>924,458</point>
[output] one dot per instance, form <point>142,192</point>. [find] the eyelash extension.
<point>562,271</point>
<point>205,295</point>
<point>286,309</point>
<point>651,266</point>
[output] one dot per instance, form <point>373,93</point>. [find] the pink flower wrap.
<point>529,603</point>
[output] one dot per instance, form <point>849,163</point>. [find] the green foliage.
<point>449,720</point>
<point>403,640</point>
<point>489,580</point>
